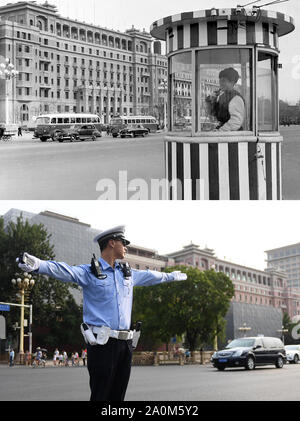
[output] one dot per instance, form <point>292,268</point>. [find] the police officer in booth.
<point>227,104</point>
<point>107,304</point>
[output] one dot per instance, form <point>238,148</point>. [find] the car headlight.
<point>238,353</point>
<point>215,354</point>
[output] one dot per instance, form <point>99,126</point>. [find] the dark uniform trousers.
<point>109,368</point>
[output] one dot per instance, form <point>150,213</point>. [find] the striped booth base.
<point>231,167</point>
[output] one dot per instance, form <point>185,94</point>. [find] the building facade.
<point>66,65</point>
<point>287,259</point>
<point>268,288</point>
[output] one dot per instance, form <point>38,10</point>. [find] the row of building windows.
<point>256,300</point>
<point>88,36</point>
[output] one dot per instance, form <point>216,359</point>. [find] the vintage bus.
<point>118,123</point>
<point>48,124</point>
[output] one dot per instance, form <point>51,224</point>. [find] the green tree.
<point>53,304</point>
<point>195,307</point>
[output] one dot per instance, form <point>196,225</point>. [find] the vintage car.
<point>133,131</point>
<point>84,132</point>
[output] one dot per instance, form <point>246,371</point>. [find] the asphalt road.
<point>32,170</point>
<point>164,383</point>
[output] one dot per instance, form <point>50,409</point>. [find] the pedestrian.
<point>38,356</point>
<point>55,356</point>
<point>83,356</point>
<point>2,130</point>
<point>73,359</point>
<point>27,358</point>
<point>76,358</point>
<point>65,359</point>
<point>20,131</point>
<point>107,288</point>
<point>11,357</point>
<point>44,359</point>
<point>60,360</point>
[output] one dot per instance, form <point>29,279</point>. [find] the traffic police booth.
<point>202,161</point>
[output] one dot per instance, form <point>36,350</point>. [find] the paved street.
<point>164,383</point>
<point>30,169</point>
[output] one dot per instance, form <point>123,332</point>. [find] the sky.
<point>121,15</point>
<point>240,232</point>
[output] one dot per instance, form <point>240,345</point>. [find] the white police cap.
<point>113,233</point>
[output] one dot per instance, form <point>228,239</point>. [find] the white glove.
<point>31,263</point>
<point>178,276</point>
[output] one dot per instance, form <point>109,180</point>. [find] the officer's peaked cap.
<point>112,233</point>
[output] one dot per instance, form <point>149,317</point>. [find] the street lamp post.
<point>163,88</point>
<point>24,283</point>
<point>8,72</point>
<point>244,329</point>
<point>282,331</point>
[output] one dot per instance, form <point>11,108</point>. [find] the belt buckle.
<point>123,336</point>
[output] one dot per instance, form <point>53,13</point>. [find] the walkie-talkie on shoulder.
<point>126,269</point>
<point>96,268</point>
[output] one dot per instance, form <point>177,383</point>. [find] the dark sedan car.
<point>133,131</point>
<point>250,352</point>
<point>84,132</point>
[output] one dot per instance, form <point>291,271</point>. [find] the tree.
<point>52,301</point>
<point>195,307</point>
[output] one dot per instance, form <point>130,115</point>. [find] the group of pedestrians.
<point>63,360</point>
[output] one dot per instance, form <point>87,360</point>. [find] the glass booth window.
<point>181,92</point>
<point>267,92</point>
<point>224,99</point>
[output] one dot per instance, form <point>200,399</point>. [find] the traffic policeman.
<point>107,288</point>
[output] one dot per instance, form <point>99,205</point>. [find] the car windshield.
<point>242,342</point>
<point>294,347</point>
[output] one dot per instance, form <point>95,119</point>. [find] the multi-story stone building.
<point>262,288</point>
<point>66,65</point>
<point>287,259</point>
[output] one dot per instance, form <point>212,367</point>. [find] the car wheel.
<point>250,363</point>
<point>221,367</point>
<point>122,136</point>
<point>296,359</point>
<point>44,139</point>
<point>114,135</point>
<point>56,136</point>
<point>279,363</point>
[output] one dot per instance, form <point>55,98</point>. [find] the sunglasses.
<point>124,242</point>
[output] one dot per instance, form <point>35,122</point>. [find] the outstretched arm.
<point>61,271</point>
<point>151,277</point>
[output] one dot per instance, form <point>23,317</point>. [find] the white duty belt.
<point>104,333</point>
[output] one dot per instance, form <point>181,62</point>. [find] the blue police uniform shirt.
<point>106,302</point>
